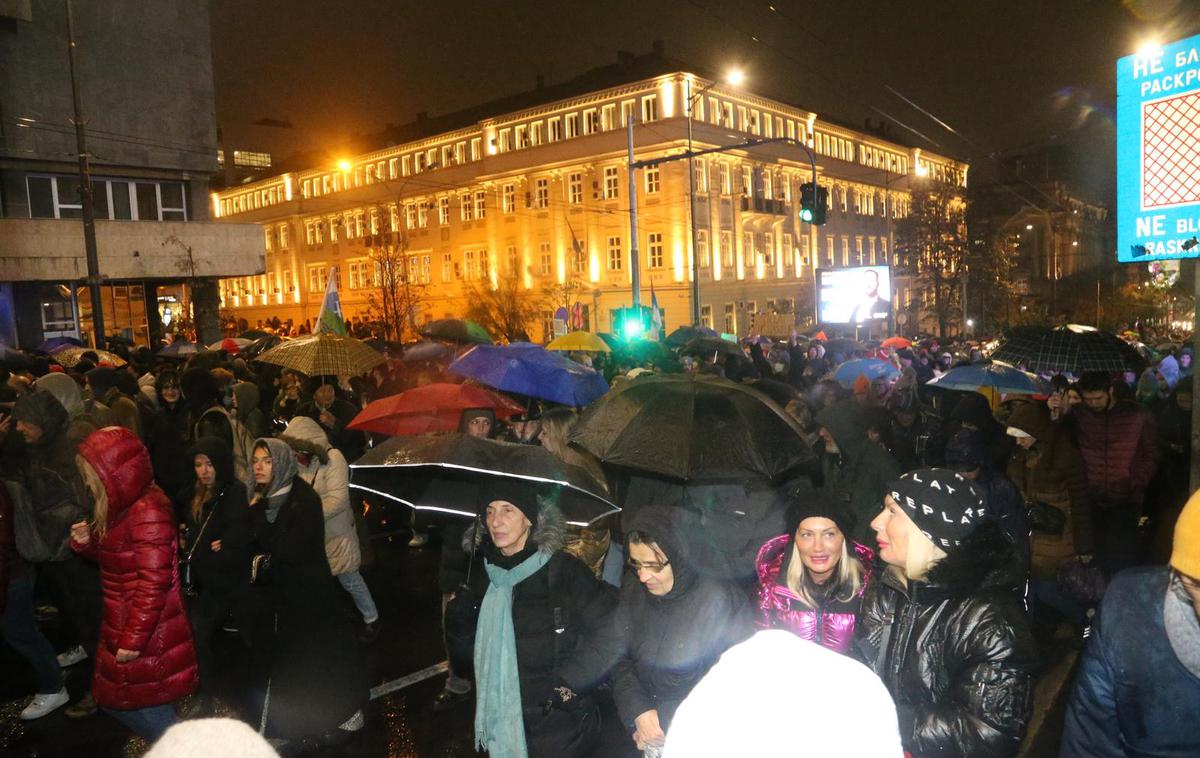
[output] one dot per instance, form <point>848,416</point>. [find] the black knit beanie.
<point>819,505</point>
<point>942,503</point>
<point>522,493</point>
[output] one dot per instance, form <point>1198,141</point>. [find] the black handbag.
<point>1045,518</point>
<point>459,622</point>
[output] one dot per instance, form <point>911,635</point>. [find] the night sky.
<point>1003,75</point>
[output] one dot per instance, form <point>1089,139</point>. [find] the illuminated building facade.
<point>537,196</point>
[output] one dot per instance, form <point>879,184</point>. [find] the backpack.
<point>241,442</point>
<point>36,541</point>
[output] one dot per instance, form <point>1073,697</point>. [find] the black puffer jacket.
<point>225,516</point>
<point>957,653</point>
<point>661,646</point>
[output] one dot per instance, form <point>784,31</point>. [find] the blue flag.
<point>330,319</point>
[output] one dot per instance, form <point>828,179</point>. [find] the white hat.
<point>207,737</point>
<point>759,700</point>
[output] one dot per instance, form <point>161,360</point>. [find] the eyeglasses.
<point>653,568</point>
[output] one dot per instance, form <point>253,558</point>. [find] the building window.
<point>845,250</point>
<point>804,257</point>
<point>627,111</point>
<point>858,251</point>
<point>541,193</point>
<point>789,260</point>
<point>591,121</point>
<point>706,316</point>
<point>649,108</point>
<point>727,255</point>
<point>554,129</point>
<point>464,207</point>
<point>769,249</point>
<point>654,245</point>
<point>615,259</point>
<point>476,148</point>
<point>702,251</point>
<point>575,188</point>
<point>608,117</point>
<point>748,252</point>
<point>730,324</point>
<point>829,253</point>
<point>653,180</point>
<point>522,135</point>
<point>572,123</point>
<point>871,250</point>
<point>747,181</point>
<point>701,175</point>
<point>316,279</point>
<point>545,260</point>
<point>505,140</point>
<point>444,210</point>
<point>508,198</point>
<point>268,236</point>
<point>423,214</point>
<point>480,204</point>
<point>726,179</point>
<point>469,264</point>
<point>447,267</point>
<point>535,133</point>
<point>285,237</point>
<point>612,182</point>
<point>511,262</point>
<point>410,216</point>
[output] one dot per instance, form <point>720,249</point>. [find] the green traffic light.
<point>632,327</point>
<point>806,215</point>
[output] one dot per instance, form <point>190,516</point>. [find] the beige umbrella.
<point>70,356</point>
<point>324,354</point>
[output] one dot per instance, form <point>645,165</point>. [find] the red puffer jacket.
<point>139,574</point>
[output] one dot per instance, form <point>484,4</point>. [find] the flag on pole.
<point>330,319</point>
<point>656,319</point>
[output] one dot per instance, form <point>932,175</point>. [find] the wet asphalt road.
<point>399,724</point>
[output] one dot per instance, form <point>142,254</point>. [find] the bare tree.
<point>399,289</point>
<point>932,245</point>
<point>506,309</point>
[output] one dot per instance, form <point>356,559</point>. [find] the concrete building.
<point>145,81</point>
<point>533,191</point>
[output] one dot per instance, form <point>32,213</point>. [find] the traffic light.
<point>633,322</point>
<point>814,199</point>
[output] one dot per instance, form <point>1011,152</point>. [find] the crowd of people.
<point>948,545</point>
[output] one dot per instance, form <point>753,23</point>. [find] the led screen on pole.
<point>854,295</point>
<point>1158,152</point>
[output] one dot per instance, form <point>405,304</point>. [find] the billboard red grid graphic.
<point>1171,152</point>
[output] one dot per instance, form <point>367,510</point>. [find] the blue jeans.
<point>19,627</point>
<point>353,583</point>
<point>148,723</point>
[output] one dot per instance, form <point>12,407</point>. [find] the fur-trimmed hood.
<point>986,560</point>
<point>306,436</point>
<point>549,534</point>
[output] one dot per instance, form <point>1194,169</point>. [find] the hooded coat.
<point>554,612</point>
<point>304,644</point>
<point>66,391</point>
<point>954,650</point>
<point>49,474</point>
<point>106,386</point>
<point>663,645</point>
<point>859,473</point>
<point>831,623</point>
<point>1052,472</point>
<point>139,577</point>
<point>248,411</point>
<point>329,475</point>
<point>224,516</point>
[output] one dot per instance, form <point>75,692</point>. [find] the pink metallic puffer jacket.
<point>831,625</point>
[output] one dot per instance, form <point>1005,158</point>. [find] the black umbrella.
<point>259,346</point>
<point>445,474</point>
<point>707,346</point>
<point>456,330</point>
<point>686,334</point>
<point>692,428</point>
<point>648,351</point>
<point>254,334</point>
<point>843,346</point>
<point>1071,349</point>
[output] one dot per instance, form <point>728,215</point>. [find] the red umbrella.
<point>431,408</point>
<point>896,342</point>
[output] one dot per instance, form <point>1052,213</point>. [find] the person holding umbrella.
<point>536,605</point>
<point>812,578</point>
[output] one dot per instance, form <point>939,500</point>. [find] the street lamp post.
<point>733,77</point>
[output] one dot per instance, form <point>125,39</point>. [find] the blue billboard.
<point>1158,153</point>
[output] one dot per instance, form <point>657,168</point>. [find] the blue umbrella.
<point>874,368</point>
<point>999,376</point>
<point>58,343</point>
<point>532,370</point>
<point>425,351</point>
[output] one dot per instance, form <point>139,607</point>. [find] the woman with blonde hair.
<point>145,659</point>
<point>588,544</point>
<point>943,627</point>
<point>812,578</point>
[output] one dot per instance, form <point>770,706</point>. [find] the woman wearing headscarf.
<point>217,550</point>
<point>537,604</point>
<point>671,626</point>
<point>943,626</point>
<point>812,578</point>
<point>145,659</point>
<point>307,663</point>
<point>168,432</point>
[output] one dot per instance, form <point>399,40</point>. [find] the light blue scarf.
<point>499,724</point>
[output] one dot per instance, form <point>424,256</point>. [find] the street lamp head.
<point>1028,227</point>
<point>344,164</point>
<point>1149,49</point>
<point>920,170</point>
<point>735,77</point>
<point>970,323</point>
